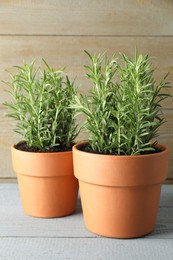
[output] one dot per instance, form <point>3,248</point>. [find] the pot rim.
<point>42,164</point>
<point>39,153</point>
<point>120,170</point>
<point>165,149</point>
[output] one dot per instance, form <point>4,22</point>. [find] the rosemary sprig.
<point>123,111</point>
<point>40,105</point>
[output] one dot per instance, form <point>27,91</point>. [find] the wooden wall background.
<point>59,31</point>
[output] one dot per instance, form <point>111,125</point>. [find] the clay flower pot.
<point>120,194</point>
<point>47,185</point>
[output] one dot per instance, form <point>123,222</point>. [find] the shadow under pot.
<point>46,181</point>
<point>120,194</point>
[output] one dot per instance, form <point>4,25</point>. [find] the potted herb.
<point>121,168</point>
<point>43,160</point>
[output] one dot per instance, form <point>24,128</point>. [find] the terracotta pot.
<point>120,194</point>
<point>47,185</point>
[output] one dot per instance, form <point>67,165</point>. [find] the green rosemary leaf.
<point>40,105</point>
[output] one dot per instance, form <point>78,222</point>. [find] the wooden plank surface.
<point>84,249</point>
<point>23,237</point>
<point>12,218</point>
<point>113,17</point>
<point>60,51</point>
<point>7,138</point>
<point>60,30</point>
<point>69,52</point>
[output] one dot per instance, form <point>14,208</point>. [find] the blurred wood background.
<point>59,31</point>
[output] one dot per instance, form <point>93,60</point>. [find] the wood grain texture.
<point>69,52</point>
<point>7,138</point>
<point>166,130</point>
<point>23,237</point>
<point>59,52</point>
<point>60,30</point>
<point>84,249</point>
<point>168,140</point>
<point>12,219</point>
<point>78,17</point>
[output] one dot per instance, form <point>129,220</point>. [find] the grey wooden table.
<point>27,238</point>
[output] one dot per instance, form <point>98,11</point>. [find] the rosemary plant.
<point>123,111</point>
<point>40,105</point>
